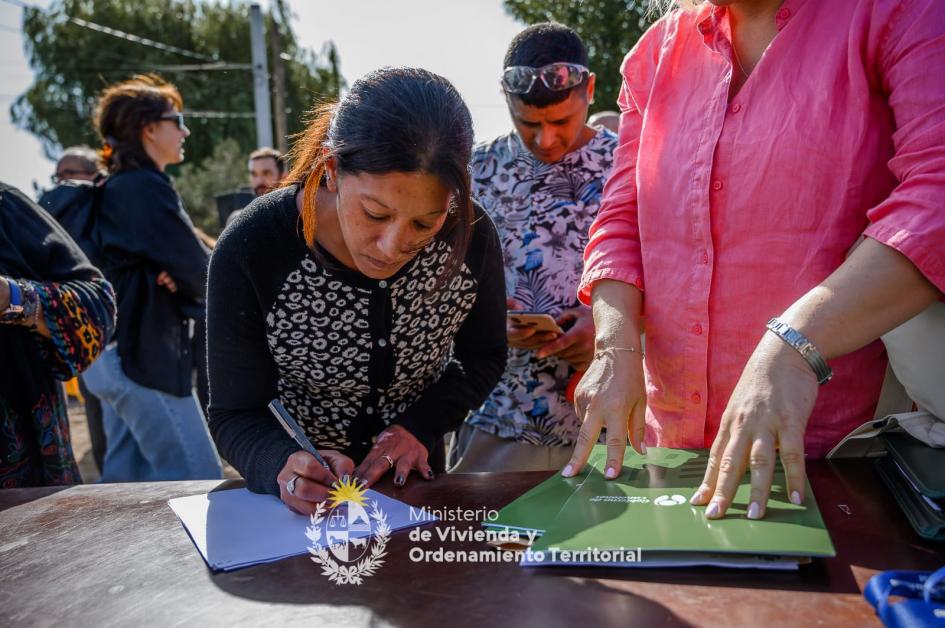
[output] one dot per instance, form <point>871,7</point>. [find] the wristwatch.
<point>803,346</point>
<point>14,311</point>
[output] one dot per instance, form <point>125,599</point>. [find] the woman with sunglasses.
<point>366,295</point>
<point>759,140</point>
<point>154,427</point>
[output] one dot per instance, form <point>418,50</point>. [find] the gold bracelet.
<point>599,352</point>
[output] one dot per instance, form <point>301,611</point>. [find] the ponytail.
<point>308,157</point>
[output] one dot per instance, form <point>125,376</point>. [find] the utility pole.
<point>260,77</point>
<point>278,96</point>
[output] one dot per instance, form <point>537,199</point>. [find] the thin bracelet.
<point>598,353</point>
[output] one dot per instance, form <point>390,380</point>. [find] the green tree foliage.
<point>225,170</point>
<point>609,29</point>
<point>72,64</point>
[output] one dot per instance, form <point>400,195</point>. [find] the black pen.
<point>290,426</point>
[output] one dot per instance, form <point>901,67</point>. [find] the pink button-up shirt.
<point>724,212</point>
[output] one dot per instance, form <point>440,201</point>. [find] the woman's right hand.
<point>313,481</point>
<point>612,393</point>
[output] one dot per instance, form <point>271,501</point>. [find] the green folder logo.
<point>670,500</point>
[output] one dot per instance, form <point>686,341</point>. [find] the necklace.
<point>738,61</point>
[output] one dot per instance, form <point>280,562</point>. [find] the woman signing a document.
<point>365,295</point>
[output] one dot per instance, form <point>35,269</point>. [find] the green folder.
<point>539,506</point>
<point>643,518</point>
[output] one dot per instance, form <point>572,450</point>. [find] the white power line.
<point>144,41</point>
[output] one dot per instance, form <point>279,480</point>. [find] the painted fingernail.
<point>796,498</point>
<point>359,481</point>
<point>429,474</point>
<point>696,497</point>
<point>346,479</point>
<point>712,511</point>
<point>754,511</point>
<point>643,448</point>
<point>399,480</point>
<point>568,471</point>
<point>610,473</point>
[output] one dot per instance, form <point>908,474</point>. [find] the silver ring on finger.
<point>290,485</point>
<point>389,460</point>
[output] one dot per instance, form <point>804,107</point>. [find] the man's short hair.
<point>539,45</point>
<point>85,154</point>
<point>262,153</point>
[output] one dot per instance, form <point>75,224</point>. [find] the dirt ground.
<point>82,445</point>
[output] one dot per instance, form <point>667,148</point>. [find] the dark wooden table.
<point>98,555</point>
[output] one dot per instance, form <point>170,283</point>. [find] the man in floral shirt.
<point>542,186</point>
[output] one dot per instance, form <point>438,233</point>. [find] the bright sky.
<point>464,40</point>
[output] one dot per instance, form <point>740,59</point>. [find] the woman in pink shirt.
<point>758,140</point>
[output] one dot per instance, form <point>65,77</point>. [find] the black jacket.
<point>144,230</point>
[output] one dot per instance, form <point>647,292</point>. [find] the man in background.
<point>542,185</point>
<point>71,205</point>
<point>77,163</point>
<point>266,169</point>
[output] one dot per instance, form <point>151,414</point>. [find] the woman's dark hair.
<point>123,110</point>
<point>392,120</point>
<point>541,44</point>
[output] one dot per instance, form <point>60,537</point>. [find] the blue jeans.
<point>150,435</point>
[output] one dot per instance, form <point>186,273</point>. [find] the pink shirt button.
<point>705,257</point>
<point>784,13</point>
<point>736,108</point>
<point>697,329</point>
<point>696,397</point>
<point>716,185</point>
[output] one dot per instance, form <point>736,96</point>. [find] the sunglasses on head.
<point>519,79</point>
<point>175,117</point>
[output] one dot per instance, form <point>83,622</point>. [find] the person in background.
<point>541,184</point>
<point>57,313</point>
<point>366,295</point>
<point>758,142</point>
<point>266,170</point>
<point>77,163</point>
<point>154,426</point>
<point>63,202</point>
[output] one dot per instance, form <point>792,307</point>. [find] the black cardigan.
<point>144,230</point>
<point>347,355</point>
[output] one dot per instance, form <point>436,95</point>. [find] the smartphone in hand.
<point>539,321</point>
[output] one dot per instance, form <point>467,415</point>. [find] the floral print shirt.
<point>543,213</point>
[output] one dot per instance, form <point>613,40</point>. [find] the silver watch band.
<point>803,346</point>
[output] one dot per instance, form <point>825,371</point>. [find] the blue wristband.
<point>16,297</point>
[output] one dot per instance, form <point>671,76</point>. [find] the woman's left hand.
<point>396,449</point>
<point>766,417</point>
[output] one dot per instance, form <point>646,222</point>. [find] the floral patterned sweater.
<point>79,309</point>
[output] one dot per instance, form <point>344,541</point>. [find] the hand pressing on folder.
<point>304,482</point>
